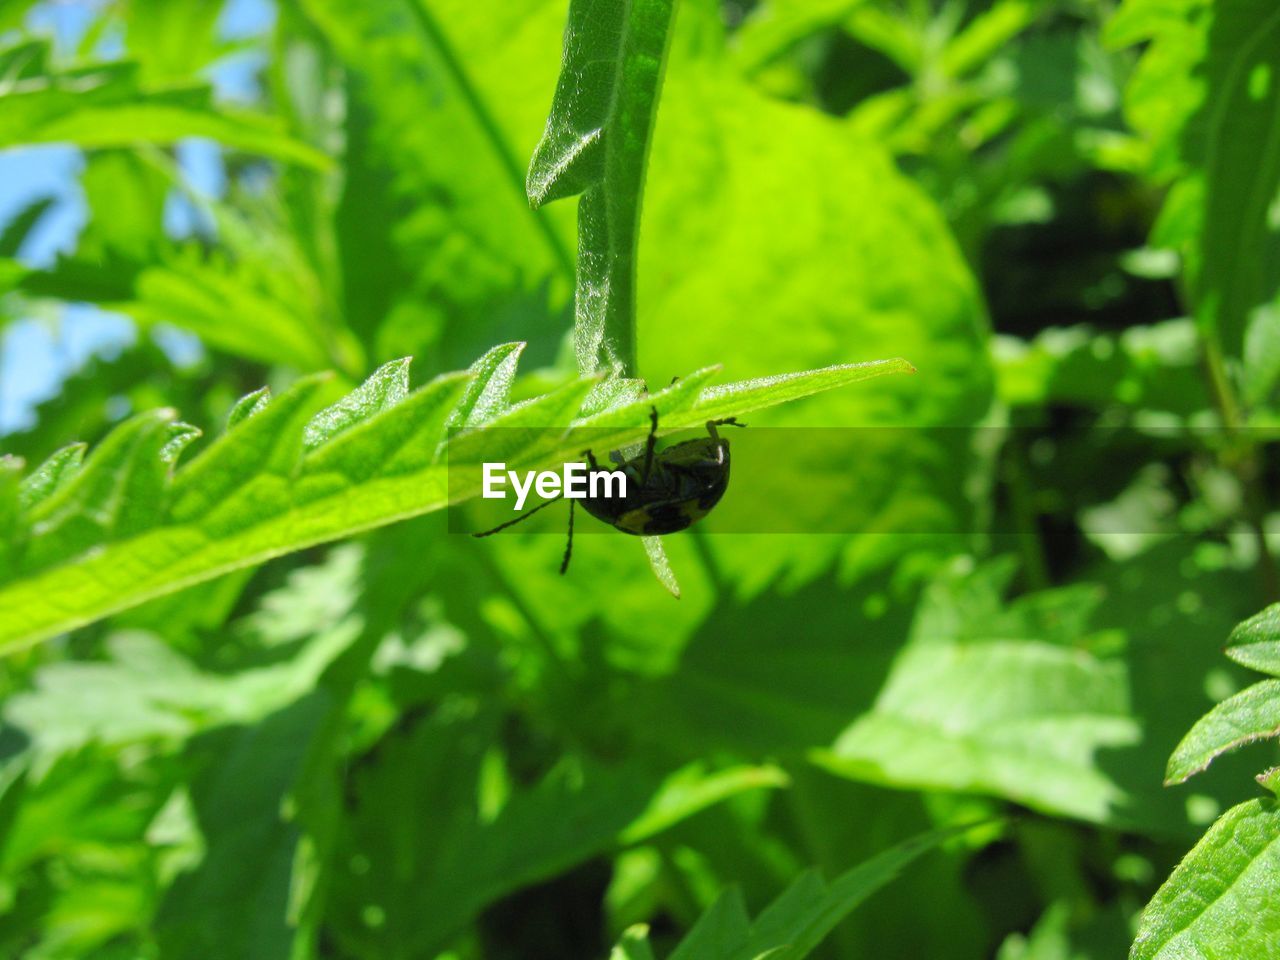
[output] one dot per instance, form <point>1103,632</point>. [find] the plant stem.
<point>609,211</point>
<point>1240,456</point>
<point>1030,544</point>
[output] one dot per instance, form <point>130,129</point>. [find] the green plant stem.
<point>1240,456</point>
<point>609,211</point>
<point>1030,545</point>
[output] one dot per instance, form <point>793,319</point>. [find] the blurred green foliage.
<point>257,701</point>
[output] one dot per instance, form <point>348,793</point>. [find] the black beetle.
<point>667,490</point>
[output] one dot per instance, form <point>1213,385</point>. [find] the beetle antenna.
<point>511,523</point>
<point>568,547</point>
<point>650,444</point>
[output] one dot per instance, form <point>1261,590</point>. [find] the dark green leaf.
<point>795,923</point>
<point>1252,714</point>
<point>1256,642</point>
<point>246,776</point>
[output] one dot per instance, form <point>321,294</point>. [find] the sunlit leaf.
<point>1256,642</point>
<point>477,257</point>
<point>976,704</point>
<point>256,492</point>
<point>106,106</point>
<point>1252,714</point>
<point>1219,901</point>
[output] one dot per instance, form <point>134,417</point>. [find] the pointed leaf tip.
<point>660,565</point>
<point>385,387</point>
<point>247,406</point>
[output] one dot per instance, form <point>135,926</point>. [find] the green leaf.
<point>10,503</point>
<point>79,807</point>
<point>975,45</point>
<point>1256,642</point>
<point>252,294</point>
<point>692,789</point>
<point>722,932</point>
<point>247,406</point>
<point>118,493</point>
<point>435,863</point>
<point>1220,900</point>
<point>608,77</point>
<point>634,945</point>
<point>12,15</point>
<point>105,105</point>
<point>256,493</point>
<point>230,307</point>
<point>1240,153</point>
<point>731,193</point>
<point>489,390</point>
<point>240,792</point>
<point>145,692</point>
<point>597,144</point>
<point>794,924</point>
<point>1207,98</point>
<point>477,258</point>
<point>1058,935</point>
<point>1149,367</point>
<point>175,41</point>
<point>748,395</point>
<point>246,471</point>
<point>1252,714</point>
<point>21,225</point>
<point>660,565</point>
<point>386,387</point>
<point>772,28</point>
<point>989,703</point>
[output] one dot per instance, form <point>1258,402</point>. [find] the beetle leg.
<point>650,445</point>
<point>591,459</point>
<point>524,516</point>
<point>726,422</point>
<point>568,547</point>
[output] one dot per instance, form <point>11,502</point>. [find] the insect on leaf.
<point>256,492</point>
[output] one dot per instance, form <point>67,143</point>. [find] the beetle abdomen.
<point>684,483</point>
